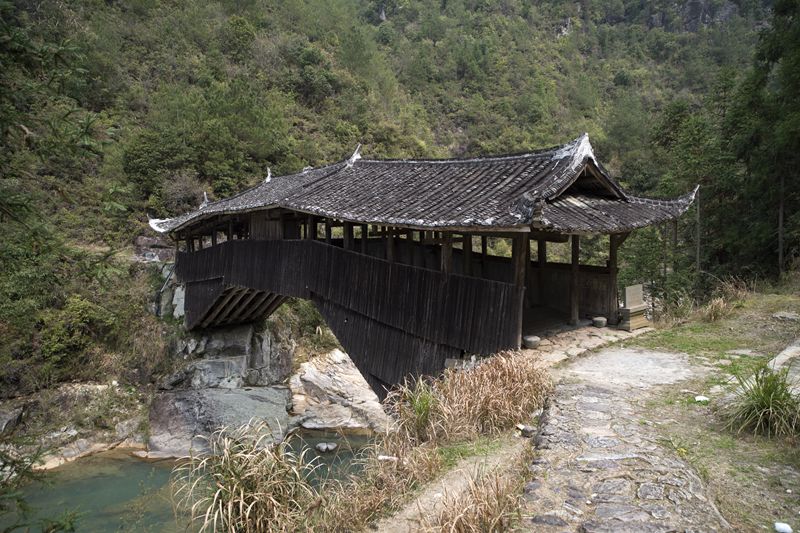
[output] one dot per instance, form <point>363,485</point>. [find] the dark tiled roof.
<point>479,193</point>
<point>589,213</point>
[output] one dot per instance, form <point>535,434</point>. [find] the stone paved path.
<point>601,468</point>
<point>559,344</point>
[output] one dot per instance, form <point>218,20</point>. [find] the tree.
<point>763,125</point>
<point>37,121</point>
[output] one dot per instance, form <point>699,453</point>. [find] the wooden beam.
<point>243,305</point>
<point>575,279</point>
<point>364,238</point>
<point>220,307</point>
<point>231,307</point>
<point>311,232</point>
<point>518,261</point>
<point>468,255</point>
<point>541,250</point>
<point>256,305</point>
<point>613,296</point>
<point>526,252</point>
<point>441,240</point>
<point>276,303</point>
<point>390,244</point>
<point>548,236</point>
<point>447,253</point>
<point>622,237</point>
<point>328,235</point>
<point>348,235</point>
<point>214,234</point>
<point>410,247</point>
<point>266,304</point>
<point>484,254</point>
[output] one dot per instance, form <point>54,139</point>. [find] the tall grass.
<point>765,404</point>
<point>500,392</point>
<point>245,484</point>
<point>416,405</point>
<point>391,469</point>
<point>486,506</point>
<point>679,306</point>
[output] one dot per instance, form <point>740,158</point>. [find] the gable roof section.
<point>566,185</point>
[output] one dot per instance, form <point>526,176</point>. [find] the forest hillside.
<point>119,110</point>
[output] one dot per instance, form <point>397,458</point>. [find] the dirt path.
<point>428,502</point>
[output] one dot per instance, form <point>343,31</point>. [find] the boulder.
<point>330,390</point>
<point>231,358</point>
<point>178,301</point>
<point>531,342</point>
<point>180,420</point>
<point>11,418</point>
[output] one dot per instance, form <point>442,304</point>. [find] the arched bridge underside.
<point>394,320</point>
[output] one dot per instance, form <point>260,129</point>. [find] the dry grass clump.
<point>496,395</point>
<point>678,307</point>
<point>728,294</point>
<point>392,468</point>
<point>245,484</point>
<point>489,504</point>
<point>500,392</point>
<point>486,506</point>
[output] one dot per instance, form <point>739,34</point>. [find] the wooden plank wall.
<point>384,355</point>
<point>476,315</point>
<point>595,286</point>
<point>202,294</point>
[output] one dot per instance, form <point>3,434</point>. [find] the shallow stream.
<point>125,493</point>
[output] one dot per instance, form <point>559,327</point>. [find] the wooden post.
<point>467,247</point>
<point>311,232</point>
<point>348,235</point>
<point>364,238</point>
<point>541,251</point>
<point>447,253</point>
<point>327,230</point>
<point>214,234</point>
<point>518,260</point>
<point>390,244</point>
<point>410,248</point>
<point>484,253</point>
<point>422,255</point>
<point>612,266</point>
<point>526,252</point>
<point>575,279</point>
<point>518,252</point>
<point>230,228</point>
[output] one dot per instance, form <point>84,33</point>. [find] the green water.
<point>117,489</point>
<point>125,493</point>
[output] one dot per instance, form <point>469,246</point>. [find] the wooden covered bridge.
<point>401,281</point>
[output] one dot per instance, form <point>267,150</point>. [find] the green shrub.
<point>765,403</point>
<point>416,409</point>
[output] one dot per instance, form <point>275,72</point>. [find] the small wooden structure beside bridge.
<point>395,255</point>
